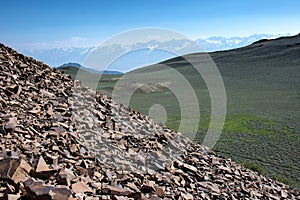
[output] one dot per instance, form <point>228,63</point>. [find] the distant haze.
<point>150,53</point>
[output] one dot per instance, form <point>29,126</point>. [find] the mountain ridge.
<point>58,56</point>
<point>77,66</point>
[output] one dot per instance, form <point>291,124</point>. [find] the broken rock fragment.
<point>65,177</point>
<point>81,187</point>
<point>42,170</point>
<point>37,190</point>
<point>109,189</point>
<point>11,124</point>
<point>16,170</point>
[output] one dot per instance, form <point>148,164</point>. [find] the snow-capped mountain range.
<point>58,56</point>
<point>223,43</point>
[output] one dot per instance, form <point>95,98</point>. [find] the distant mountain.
<point>76,66</point>
<point>58,56</point>
<point>225,43</point>
<point>149,53</point>
<point>127,57</point>
<point>277,58</point>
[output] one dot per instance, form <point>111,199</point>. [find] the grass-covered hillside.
<point>262,83</point>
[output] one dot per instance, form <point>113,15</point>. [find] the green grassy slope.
<point>262,87</point>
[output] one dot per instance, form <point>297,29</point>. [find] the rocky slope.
<point>61,140</point>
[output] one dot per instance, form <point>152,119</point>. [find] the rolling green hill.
<point>262,83</point>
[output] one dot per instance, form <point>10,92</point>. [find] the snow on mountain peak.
<point>58,56</point>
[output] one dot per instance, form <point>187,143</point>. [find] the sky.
<point>59,23</point>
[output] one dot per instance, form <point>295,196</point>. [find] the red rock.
<point>35,111</point>
<point>63,179</point>
<point>74,148</point>
<point>13,197</point>
<point>42,170</point>
<point>11,124</point>
<point>120,198</point>
<point>154,197</point>
<point>148,187</point>
<point>81,187</point>
<point>37,190</point>
<point>283,194</point>
<point>185,166</point>
<point>187,196</point>
<point>55,148</point>
<point>16,170</point>
<point>133,187</point>
<point>159,191</point>
<point>21,172</point>
<point>98,175</point>
<point>108,189</point>
<point>42,166</point>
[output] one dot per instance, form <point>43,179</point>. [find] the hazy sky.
<point>29,23</point>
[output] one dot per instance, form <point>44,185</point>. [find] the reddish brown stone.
<point>15,169</point>
<point>42,170</point>
<point>159,191</point>
<point>11,125</point>
<point>81,187</point>
<point>108,189</point>
<point>37,190</point>
<point>42,166</point>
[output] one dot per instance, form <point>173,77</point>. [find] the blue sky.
<point>48,23</point>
